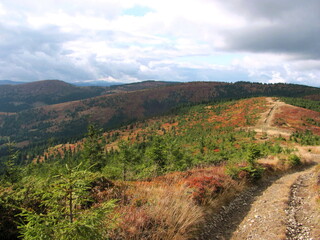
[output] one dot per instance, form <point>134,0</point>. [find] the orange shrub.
<point>205,187</point>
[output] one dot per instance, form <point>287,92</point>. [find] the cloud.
<point>137,11</point>
<point>190,40</point>
<point>284,27</point>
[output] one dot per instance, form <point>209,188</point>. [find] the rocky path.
<point>303,219</point>
<point>264,124</point>
<point>273,215</point>
<point>277,209</point>
<point>221,225</point>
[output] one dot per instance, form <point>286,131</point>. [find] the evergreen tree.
<point>93,153</point>
<point>126,156</point>
<point>64,214</point>
<point>157,153</point>
<point>11,171</point>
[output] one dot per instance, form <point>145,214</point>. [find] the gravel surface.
<point>303,218</point>
<point>266,219</point>
<point>221,225</point>
<point>267,211</point>
<point>277,209</point>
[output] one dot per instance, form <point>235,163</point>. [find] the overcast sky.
<point>173,40</point>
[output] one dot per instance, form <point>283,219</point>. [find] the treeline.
<point>304,103</point>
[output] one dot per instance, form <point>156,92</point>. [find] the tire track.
<point>266,211</point>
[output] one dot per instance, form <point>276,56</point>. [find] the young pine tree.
<point>126,156</point>
<point>93,153</point>
<point>11,170</point>
<point>158,153</point>
<point>64,215</point>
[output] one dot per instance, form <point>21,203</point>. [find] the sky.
<point>265,41</point>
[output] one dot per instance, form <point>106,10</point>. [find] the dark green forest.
<point>304,103</point>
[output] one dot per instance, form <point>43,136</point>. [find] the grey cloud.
<point>18,40</point>
<point>291,27</point>
<point>39,66</point>
<point>29,54</point>
<point>304,43</point>
<point>270,9</point>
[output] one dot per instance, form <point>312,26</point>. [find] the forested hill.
<point>19,97</point>
<point>9,82</point>
<point>70,119</point>
<point>14,98</point>
<point>140,85</point>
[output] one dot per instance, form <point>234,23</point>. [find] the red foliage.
<point>134,223</point>
<point>205,187</point>
<point>237,114</point>
<point>296,118</point>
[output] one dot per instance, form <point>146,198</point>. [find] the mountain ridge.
<point>70,119</point>
<point>15,98</point>
<point>10,82</point>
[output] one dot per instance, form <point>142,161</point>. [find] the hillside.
<point>141,85</point>
<point>14,98</point>
<point>219,128</point>
<point>19,97</point>
<point>204,119</point>
<point>192,174</point>
<point>70,119</point>
<point>9,82</point>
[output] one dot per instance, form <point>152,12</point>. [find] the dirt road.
<point>264,124</point>
<point>282,208</point>
<point>275,214</point>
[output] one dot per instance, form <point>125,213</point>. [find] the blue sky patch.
<point>137,11</point>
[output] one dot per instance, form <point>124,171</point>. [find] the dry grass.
<point>226,196</point>
<point>168,207</point>
<point>165,208</point>
<point>158,212</point>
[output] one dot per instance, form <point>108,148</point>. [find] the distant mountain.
<point>95,83</point>
<point>70,119</point>
<point>15,98</point>
<point>112,85</point>
<point>9,82</point>
<point>140,85</point>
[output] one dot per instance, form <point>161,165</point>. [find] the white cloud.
<point>276,78</point>
<point>95,39</point>
<point>2,10</point>
<point>273,68</point>
<point>108,79</point>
